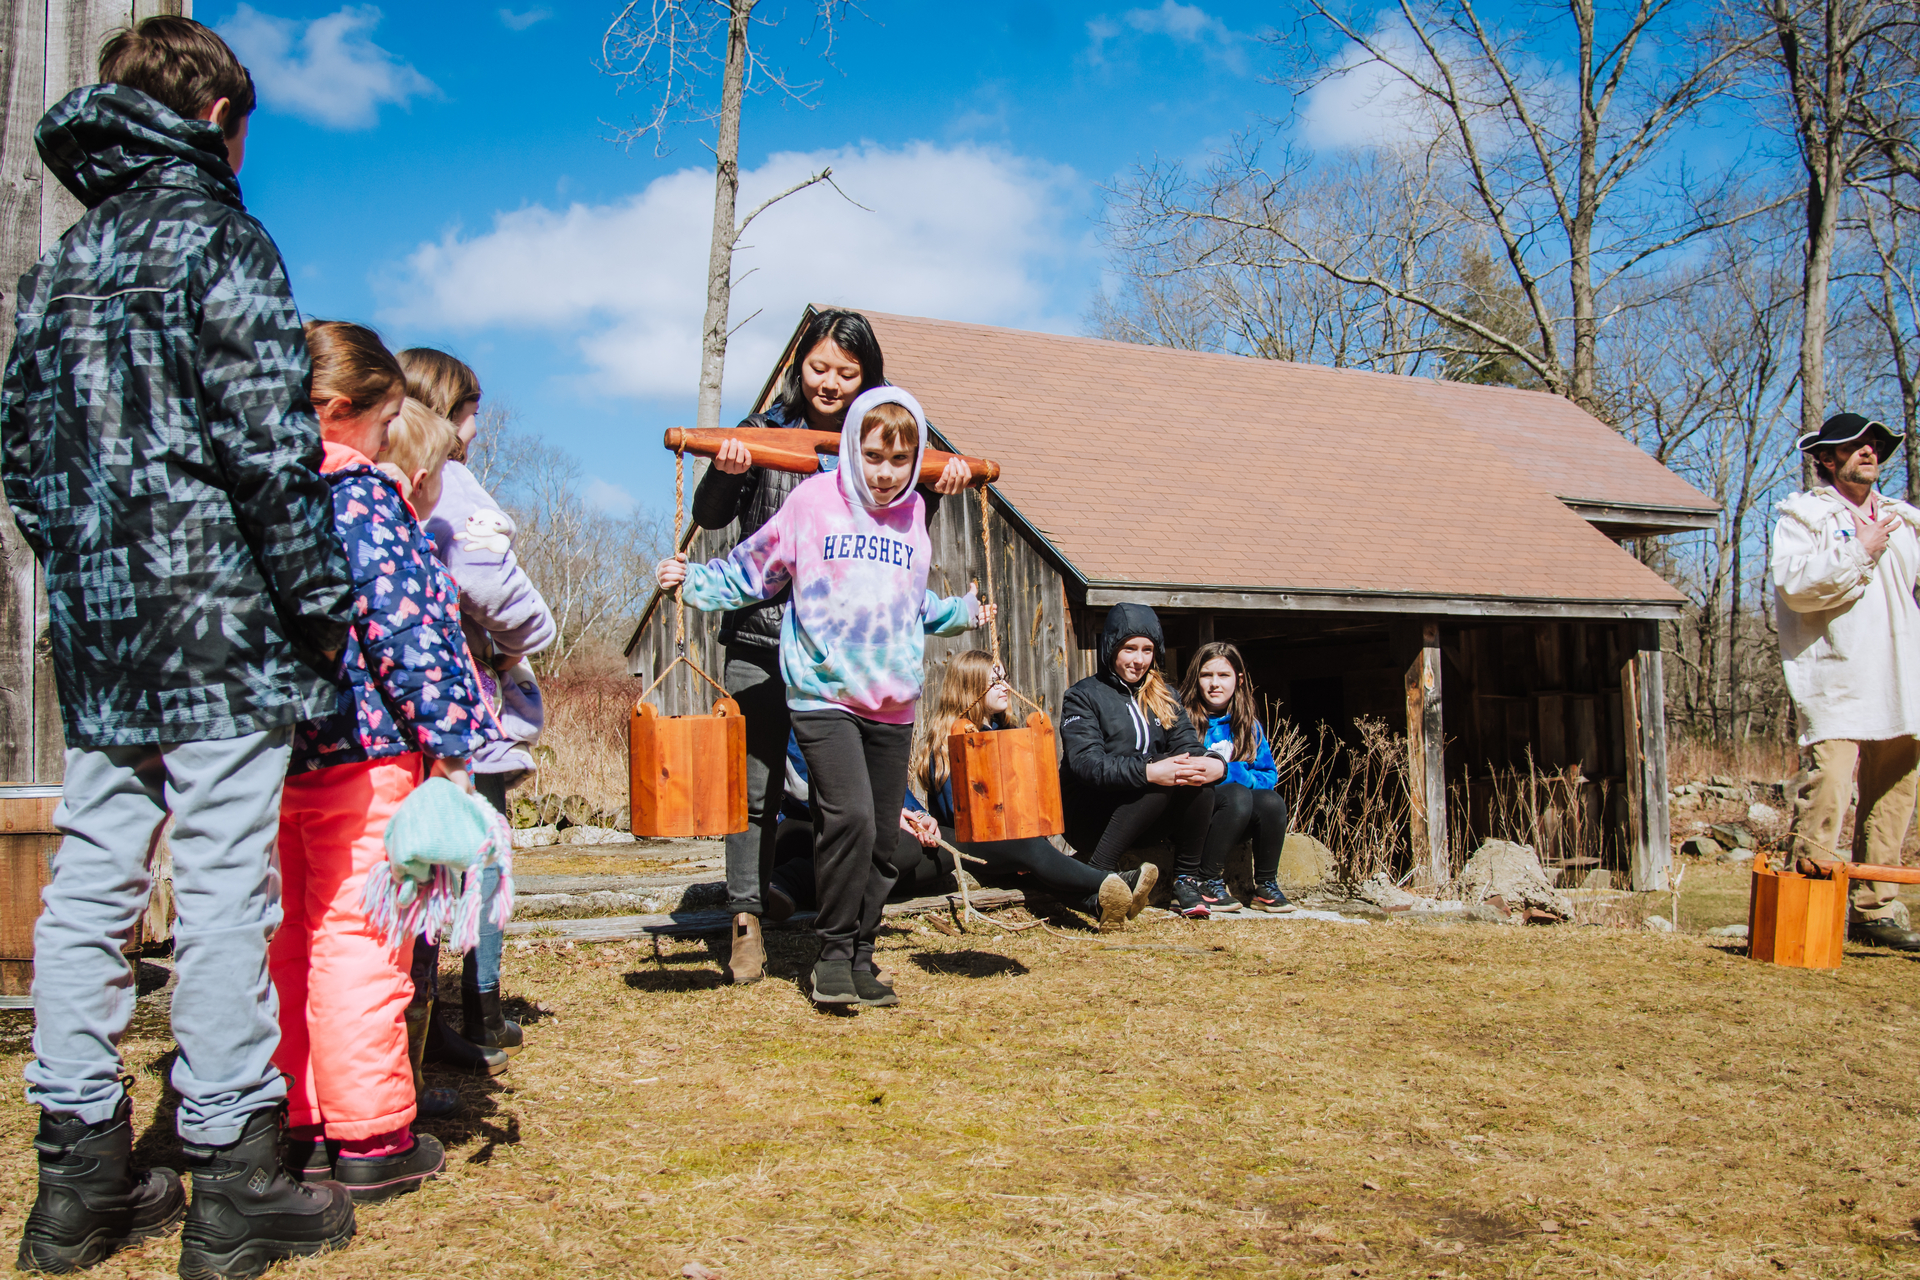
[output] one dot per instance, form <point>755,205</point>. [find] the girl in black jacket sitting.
<point>1132,759</point>
<point>975,689</point>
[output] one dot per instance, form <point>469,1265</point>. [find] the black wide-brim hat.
<point>1845,428</point>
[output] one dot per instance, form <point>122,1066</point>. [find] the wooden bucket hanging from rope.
<point>687,774</point>
<point>1797,915</point>
<point>1006,782</point>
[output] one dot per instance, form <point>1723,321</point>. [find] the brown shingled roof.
<point>1154,467</point>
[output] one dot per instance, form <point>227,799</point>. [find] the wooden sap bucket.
<point>1796,920</point>
<point>688,773</point>
<point>27,843</point>
<point>1798,916</point>
<point>1006,782</point>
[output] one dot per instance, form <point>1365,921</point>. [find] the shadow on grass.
<point>969,964</point>
<point>668,980</point>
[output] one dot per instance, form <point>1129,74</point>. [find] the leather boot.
<point>247,1214</point>
<point>92,1200</point>
<point>430,1103</point>
<point>747,962</point>
<point>482,1022</point>
<point>448,1048</point>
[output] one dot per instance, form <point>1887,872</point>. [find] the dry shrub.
<point>1351,797</point>
<point>583,749</point>
<point>1754,759</point>
<point>1570,820</point>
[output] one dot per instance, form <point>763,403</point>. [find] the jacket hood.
<point>853,479</point>
<point>103,139</point>
<point>1124,622</point>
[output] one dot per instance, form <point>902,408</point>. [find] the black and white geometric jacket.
<point>158,446</point>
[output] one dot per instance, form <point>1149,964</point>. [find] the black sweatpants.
<point>1108,823</point>
<point>918,871</point>
<point>1052,870</point>
<point>753,680</point>
<point>1238,811</point>
<point>856,780</point>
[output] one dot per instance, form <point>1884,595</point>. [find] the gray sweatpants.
<point>225,800</point>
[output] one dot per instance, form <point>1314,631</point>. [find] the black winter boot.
<point>92,1200</point>
<point>370,1180</point>
<point>247,1214</point>
<point>435,1102</point>
<point>482,1022</point>
<point>451,1049</point>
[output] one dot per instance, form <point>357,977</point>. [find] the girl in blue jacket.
<point>1219,698</point>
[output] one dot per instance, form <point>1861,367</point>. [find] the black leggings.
<point>1236,810</point>
<point>1052,870</point>
<point>1109,823</point>
<point>920,872</point>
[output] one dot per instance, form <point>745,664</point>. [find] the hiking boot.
<point>747,962</point>
<point>872,992</point>
<point>1218,897</point>
<point>307,1158</point>
<point>448,1048</point>
<point>1883,933</point>
<point>777,904</point>
<point>1188,900</point>
<point>1268,897</point>
<point>833,982</point>
<point>1140,881</point>
<point>371,1179</point>
<point>92,1200</point>
<point>482,1022</point>
<point>247,1214</point>
<point>430,1103</point>
<point>1110,903</point>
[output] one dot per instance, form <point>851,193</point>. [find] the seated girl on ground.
<point>1131,760</point>
<point>1219,697</point>
<point>976,689</point>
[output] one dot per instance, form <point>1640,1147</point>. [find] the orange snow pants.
<point>343,988</point>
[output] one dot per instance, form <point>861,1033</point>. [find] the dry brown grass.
<point>1294,1100</point>
<point>1691,759</point>
<point>583,749</point>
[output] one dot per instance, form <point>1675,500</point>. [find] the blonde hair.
<point>437,380</point>
<point>895,423</point>
<point>418,440</point>
<point>1156,696</point>
<point>969,676</point>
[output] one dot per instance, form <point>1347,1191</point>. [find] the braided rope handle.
<point>680,606</point>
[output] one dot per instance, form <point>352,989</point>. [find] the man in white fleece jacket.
<point>1845,560</point>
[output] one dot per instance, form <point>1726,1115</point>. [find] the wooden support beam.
<point>1643,724</point>
<point>1426,772</point>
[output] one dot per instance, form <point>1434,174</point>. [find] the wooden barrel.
<point>27,842</point>
<point>1006,782</point>
<point>1796,920</point>
<point>688,774</point>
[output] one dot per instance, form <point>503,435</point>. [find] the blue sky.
<point>444,172</point>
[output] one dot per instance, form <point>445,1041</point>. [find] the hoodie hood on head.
<point>1124,622</point>
<point>853,479</point>
<point>103,139</point>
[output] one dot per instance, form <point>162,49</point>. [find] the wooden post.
<point>1643,730</point>
<point>1426,772</point>
<point>48,48</point>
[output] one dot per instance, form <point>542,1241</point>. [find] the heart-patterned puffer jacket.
<point>410,680</point>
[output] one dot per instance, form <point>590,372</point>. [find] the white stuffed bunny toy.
<point>486,531</point>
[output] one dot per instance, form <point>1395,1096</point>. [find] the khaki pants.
<point>1889,778</point>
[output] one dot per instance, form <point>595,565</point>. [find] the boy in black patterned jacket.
<point>161,457</point>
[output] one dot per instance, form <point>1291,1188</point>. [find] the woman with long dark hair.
<point>1219,698</point>
<point>836,358</point>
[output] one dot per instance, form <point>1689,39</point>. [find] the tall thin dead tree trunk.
<point>726,195</point>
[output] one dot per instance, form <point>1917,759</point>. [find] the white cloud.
<point>327,71</point>
<point>958,233</point>
<point>1186,24</point>
<point>609,497</point>
<point>521,21</point>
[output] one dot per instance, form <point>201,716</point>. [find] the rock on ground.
<point>1701,847</point>
<point>1512,873</point>
<point>1305,863</point>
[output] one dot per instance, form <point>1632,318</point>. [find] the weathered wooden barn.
<point>1437,555</point>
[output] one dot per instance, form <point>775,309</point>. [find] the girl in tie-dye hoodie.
<point>853,542</point>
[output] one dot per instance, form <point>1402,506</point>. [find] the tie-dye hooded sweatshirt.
<point>854,638</point>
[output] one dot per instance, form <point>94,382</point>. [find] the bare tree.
<point>594,566</point>
<point>1891,231</point>
<point>1561,171</point>
<point>673,48</point>
<point>1843,76</point>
